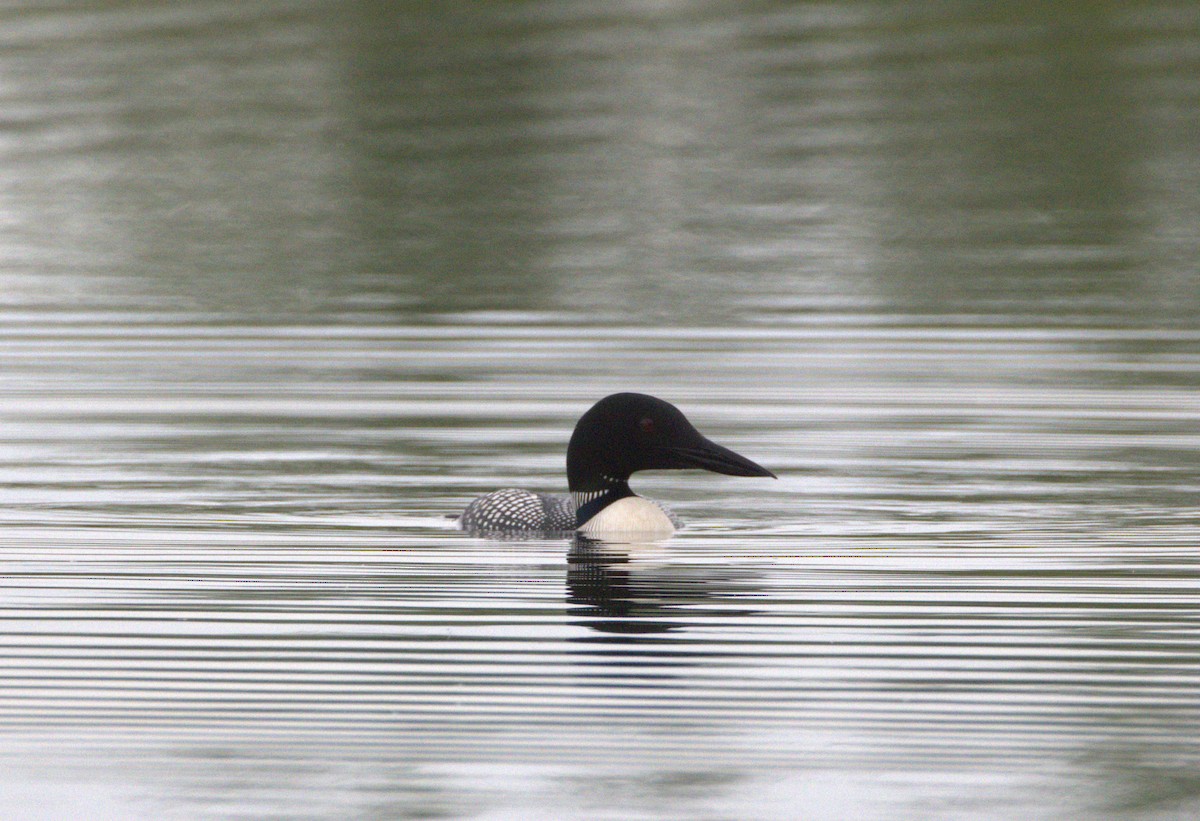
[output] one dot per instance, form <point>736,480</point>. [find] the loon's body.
<point>513,510</point>
<point>621,434</point>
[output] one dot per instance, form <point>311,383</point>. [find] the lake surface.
<point>283,285</point>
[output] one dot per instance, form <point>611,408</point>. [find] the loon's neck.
<point>590,502</point>
<point>630,517</point>
<point>615,511</point>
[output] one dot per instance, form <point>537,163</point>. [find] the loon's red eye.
<point>647,425</point>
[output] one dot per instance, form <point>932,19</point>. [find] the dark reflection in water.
<point>617,588</point>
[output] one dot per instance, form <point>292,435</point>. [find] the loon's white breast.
<point>632,514</point>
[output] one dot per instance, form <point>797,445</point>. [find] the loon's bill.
<point>620,435</point>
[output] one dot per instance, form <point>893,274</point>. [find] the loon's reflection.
<point>619,588</point>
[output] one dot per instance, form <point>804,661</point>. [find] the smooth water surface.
<point>283,285</point>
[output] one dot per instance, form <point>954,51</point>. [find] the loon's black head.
<point>628,432</point>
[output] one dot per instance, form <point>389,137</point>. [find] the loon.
<point>620,435</point>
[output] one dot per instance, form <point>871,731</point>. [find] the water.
<point>283,285</point>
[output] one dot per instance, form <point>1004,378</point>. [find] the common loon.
<point>620,435</point>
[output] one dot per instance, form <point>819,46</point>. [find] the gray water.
<point>284,284</point>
